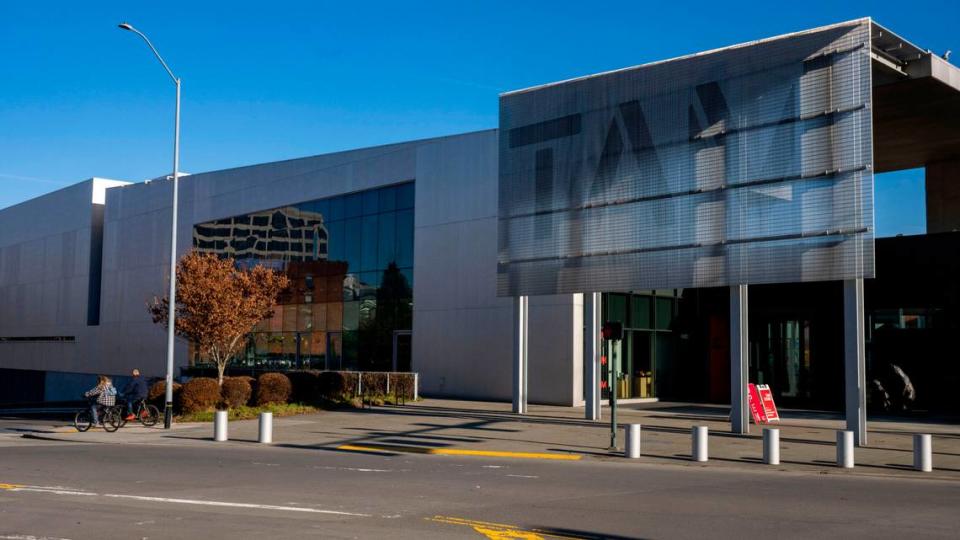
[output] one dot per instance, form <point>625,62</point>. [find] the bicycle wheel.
<point>121,414</point>
<point>111,420</point>
<point>83,420</point>
<point>149,415</point>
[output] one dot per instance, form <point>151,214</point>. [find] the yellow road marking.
<point>501,531</point>
<point>455,452</point>
<point>10,486</point>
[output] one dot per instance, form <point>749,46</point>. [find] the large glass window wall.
<point>350,264</point>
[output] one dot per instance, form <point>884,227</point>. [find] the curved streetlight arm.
<point>127,26</point>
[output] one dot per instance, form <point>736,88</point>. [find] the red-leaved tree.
<point>218,304</point>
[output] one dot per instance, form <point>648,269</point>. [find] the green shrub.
<point>306,386</point>
<point>273,388</point>
<point>236,391</point>
<point>199,394</point>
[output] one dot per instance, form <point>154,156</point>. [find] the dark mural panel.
<point>350,264</point>
<point>751,164</point>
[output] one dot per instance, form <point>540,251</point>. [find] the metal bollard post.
<point>771,446</point>
<point>632,448</point>
<point>266,428</point>
<point>845,449</point>
<point>923,452</point>
<point>699,452</point>
<point>220,426</point>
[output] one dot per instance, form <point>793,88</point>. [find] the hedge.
<point>199,394</point>
<point>157,394</point>
<point>236,391</point>
<point>305,384</point>
<point>273,388</point>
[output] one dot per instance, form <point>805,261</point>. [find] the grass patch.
<point>247,413</point>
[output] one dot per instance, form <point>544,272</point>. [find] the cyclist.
<point>134,392</point>
<point>106,396</point>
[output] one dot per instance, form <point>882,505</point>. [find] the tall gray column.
<point>591,355</point>
<point>520,318</point>
<point>739,360</point>
<point>854,361</point>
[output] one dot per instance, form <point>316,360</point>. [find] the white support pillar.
<point>739,360</point>
<point>520,318</point>
<point>591,354</point>
<point>854,360</point>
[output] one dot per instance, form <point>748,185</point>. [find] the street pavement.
<point>376,474</point>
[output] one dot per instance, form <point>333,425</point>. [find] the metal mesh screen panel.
<point>751,164</point>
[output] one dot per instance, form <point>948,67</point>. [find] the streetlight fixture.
<point>171,319</point>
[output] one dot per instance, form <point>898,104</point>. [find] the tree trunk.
<point>221,366</point>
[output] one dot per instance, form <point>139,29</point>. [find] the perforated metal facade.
<point>751,164</point>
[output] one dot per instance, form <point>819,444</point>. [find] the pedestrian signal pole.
<point>612,333</point>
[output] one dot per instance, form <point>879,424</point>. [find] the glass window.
<point>318,344</point>
<point>321,207</point>
<point>289,318</point>
<point>371,202</point>
<point>404,236</point>
<point>353,205</point>
<point>334,288</point>
<point>616,308</point>
<point>664,313</point>
<point>305,317</point>
<point>408,275</point>
<point>351,315</point>
<point>405,195</point>
<point>386,242</point>
<point>335,316</point>
<point>319,316</point>
<point>351,237</point>
<point>335,242</point>
<point>335,209</point>
<point>388,199</point>
<point>640,312</point>
<point>275,323</point>
<point>368,252</point>
<point>334,351</point>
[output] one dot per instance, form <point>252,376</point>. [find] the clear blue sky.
<point>264,81</point>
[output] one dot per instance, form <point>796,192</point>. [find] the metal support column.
<point>520,310</point>
<point>854,360</point>
<point>739,360</point>
<point>591,355</point>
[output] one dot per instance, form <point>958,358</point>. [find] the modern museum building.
<point>719,205</point>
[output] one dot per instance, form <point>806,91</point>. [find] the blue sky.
<point>269,81</point>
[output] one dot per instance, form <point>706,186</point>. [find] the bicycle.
<point>109,415</point>
<point>148,415</point>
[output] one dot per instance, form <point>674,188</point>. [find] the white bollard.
<point>699,451</point>
<point>632,448</point>
<point>266,428</point>
<point>771,446</point>
<point>845,449</point>
<point>923,452</point>
<point>220,426</point>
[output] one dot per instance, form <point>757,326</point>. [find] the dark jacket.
<point>135,389</point>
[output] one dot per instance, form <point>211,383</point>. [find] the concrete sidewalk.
<point>446,426</point>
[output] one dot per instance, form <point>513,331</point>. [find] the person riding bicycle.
<point>105,394</point>
<point>134,392</point>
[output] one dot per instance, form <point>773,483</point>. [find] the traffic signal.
<point>612,330</point>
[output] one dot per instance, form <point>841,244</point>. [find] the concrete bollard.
<point>632,448</point>
<point>771,446</point>
<point>266,428</point>
<point>220,426</point>
<point>699,451</point>
<point>845,449</point>
<point>923,452</point>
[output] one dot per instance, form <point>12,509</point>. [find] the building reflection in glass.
<point>350,263</point>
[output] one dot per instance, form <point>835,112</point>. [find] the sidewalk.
<point>447,426</point>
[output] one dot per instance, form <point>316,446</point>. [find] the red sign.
<point>766,400</point>
<point>756,408</point>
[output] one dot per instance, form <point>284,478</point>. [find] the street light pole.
<point>171,305</point>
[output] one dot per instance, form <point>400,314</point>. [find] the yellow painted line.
<point>502,531</point>
<point>10,486</point>
<point>456,452</point>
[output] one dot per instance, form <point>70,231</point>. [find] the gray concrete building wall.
<point>461,329</point>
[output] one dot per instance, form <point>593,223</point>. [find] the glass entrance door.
<point>784,359</point>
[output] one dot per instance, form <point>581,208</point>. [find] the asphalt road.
<point>85,490</point>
